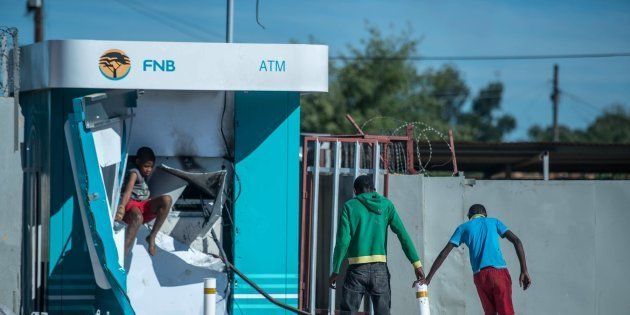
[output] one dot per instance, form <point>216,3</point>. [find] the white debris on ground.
<point>171,282</point>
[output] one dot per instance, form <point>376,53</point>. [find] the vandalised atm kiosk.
<point>225,115</point>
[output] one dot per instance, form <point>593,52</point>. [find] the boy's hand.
<point>332,281</point>
<point>419,276</point>
<point>426,281</point>
<point>120,213</point>
<point>524,280</point>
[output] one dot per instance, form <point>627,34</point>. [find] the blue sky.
<point>446,27</point>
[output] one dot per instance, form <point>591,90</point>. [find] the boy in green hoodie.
<point>362,235</point>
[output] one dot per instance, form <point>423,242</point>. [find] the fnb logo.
<point>114,64</point>
<point>158,65</point>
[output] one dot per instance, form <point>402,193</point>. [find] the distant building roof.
<point>492,158</point>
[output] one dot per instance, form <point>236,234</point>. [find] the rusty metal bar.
<point>386,168</point>
<point>357,158</point>
<point>304,231</point>
<point>376,161</point>
<point>409,140</point>
<point>354,124</point>
<point>366,139</point>
<point>313,262</point>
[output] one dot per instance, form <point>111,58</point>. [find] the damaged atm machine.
<point>224,123</point>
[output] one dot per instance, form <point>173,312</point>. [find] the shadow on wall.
<point>258,114</point>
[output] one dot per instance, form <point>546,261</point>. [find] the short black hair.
<point>363,184</point>
<point>476,209</point>
<point>145,154</point>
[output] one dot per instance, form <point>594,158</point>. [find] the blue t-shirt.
<point>481,235</point>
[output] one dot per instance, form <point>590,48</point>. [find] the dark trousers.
<point>371,279</point>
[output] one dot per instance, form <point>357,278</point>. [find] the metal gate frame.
<point>310,196</point>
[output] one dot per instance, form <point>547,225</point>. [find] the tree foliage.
<point>612,126</point>
<point>378,79</point>
<point>481,123</point>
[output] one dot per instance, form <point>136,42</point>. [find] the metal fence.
<point>349,156</point>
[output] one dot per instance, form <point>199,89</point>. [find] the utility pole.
<point>229,27</point>
<point>555,98</point>
<point>36,6</point>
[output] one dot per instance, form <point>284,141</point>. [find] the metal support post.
<point>334,215</point>
<point>545,158</point>
<point>357,159</point>
<point>229,22</point>
<point>377,164</point>
<point>209,296</point>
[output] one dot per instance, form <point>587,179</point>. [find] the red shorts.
<point>147,214</point>
<point>494,287</point>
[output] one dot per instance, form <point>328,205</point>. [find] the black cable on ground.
<point>252,283</point>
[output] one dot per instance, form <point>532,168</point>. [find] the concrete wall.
<point>10,211</point>
<point>574,233</point>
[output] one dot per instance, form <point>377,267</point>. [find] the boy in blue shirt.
<point>492,279</point>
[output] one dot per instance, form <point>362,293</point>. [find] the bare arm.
<point>127,194</point>
<point>524,280</point>
<point>438,261</point>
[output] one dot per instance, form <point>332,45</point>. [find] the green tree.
<point>612,126</point>
<point>378,79</point>
<point>448,88</point>
<point>540,134</point>
<point>375,80</point>
<point>481,123</point>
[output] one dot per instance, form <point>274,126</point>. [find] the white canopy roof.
<point>174,66</point>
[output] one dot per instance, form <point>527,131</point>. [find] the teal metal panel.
<point>92,196</point>
<point>35,108</point>
<point>69,267</point>
<point>67,240</point>
<point>267,210</point>
<point>64,249</point>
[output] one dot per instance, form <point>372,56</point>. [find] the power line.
<point>179,20</point>
<point>159,19</point>
<point>162,18</point>
<point>488,57</point>
<point>584,115</point>
<point>580,100</point>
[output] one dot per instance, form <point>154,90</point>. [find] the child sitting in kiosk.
<point>136,205</point>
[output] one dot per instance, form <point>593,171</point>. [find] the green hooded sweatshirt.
<point>362,231</point>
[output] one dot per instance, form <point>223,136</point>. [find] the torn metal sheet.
<point>210,183</point>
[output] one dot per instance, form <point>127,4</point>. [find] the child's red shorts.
<point>495,291</point>
<point>147,214</point>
